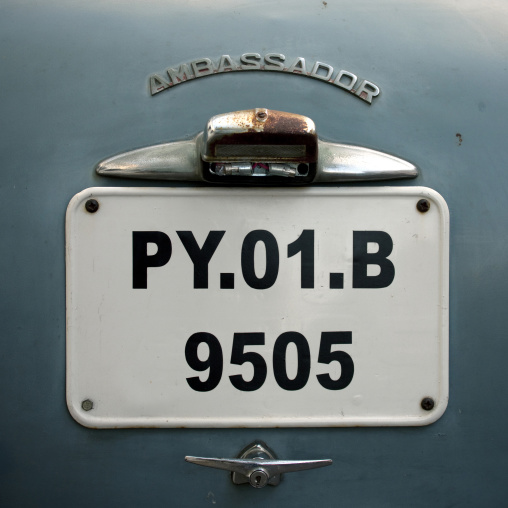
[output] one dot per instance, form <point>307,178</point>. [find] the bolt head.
<point>92,205</point>
<point>428,403</point>
<point>423,205</point>
<point>87,405</point>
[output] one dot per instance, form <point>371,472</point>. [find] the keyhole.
<point>258,479</point>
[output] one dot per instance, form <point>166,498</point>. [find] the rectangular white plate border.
<point>76,364</point>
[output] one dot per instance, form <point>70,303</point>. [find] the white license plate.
<point>220,307</point>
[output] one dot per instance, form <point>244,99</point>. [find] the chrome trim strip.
<point>180,161</point>
<point>265,130</point>
<point>348,163</point>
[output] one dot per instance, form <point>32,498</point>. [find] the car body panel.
<point>76,90</point>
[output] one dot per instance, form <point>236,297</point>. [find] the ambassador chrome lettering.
<point>277,62</point>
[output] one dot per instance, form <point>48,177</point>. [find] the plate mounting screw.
<point>428,403</point>
<point>423,205</point>
<point>92,205</point>
<point>87,405</point>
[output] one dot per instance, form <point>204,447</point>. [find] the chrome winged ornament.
<point>257,146</point>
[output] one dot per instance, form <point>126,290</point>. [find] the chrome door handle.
<point>258,466</point>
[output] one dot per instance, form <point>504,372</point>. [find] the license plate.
<point>214,307</point>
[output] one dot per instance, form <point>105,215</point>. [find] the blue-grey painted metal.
<point>75,90</point>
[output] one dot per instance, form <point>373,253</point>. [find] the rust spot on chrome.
<point>287,123</point>
<point>263,126</point>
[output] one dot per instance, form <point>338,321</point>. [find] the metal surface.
<point>256,450</point>
<point>423,205</point>
<point>244,136</point>
<point>254,315</point>
<point>260,169</point>
<point>170,161</point>
<point>428,403</point>
<point>257,466</point>
<point>361,88</point>
<point>92,205</point>
<point>259,135</point>
<point>343,163</point>
<point>87,405</point>
<point>74,78</point>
